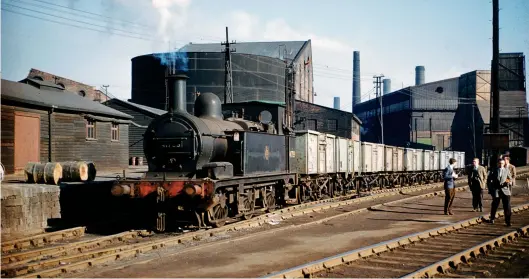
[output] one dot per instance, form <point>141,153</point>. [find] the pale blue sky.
<point>448,37</point>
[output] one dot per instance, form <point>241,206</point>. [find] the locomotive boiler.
<point>204,168</point>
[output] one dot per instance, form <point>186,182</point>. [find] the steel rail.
<point>91,258</point>
<point>364,252</point>
<point>41,239</point>
<point>465,256</point>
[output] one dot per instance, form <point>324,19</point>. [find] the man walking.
<point>450,192</point>
<point>477,181</point>
<point>499,182</point>
<point>511,168</point>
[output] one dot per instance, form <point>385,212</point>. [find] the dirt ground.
<point>263,254</point>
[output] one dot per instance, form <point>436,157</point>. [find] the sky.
<point>447,37</point>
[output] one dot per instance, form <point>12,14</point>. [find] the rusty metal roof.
<point>60,100</point>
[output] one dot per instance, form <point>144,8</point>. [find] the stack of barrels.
<point>53,173</point>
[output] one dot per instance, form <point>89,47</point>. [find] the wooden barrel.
<point>74,171</point>
<point>52,173</point>
<point>91,170</point>
<point>38,173</point>
<point>28,172</point>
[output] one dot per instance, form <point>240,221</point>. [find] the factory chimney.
<point>386,86</point>
<point>419,75</point>
<point>336,102</point>
<point>176,88</point>
<point>356,78</point>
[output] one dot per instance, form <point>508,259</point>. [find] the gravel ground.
<point>251,255</point>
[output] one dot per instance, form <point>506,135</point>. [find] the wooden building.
<point>143,115</point>
<point>41,122</point>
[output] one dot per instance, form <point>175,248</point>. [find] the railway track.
<point>439,252</point>
<point>67,255</point>
<point>56,253</point>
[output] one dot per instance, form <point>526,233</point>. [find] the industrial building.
<point>326,120</point>
<point>473,117</point>
<point>451,114</point>
<point>418,115</point>
<point>143,116</point>
<point>72,86</point>
<point>258,72</point>
<point>49,124</point>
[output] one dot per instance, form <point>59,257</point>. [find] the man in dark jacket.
<point>477,181</point>
<point>499,184</point>
<point>449,185</point>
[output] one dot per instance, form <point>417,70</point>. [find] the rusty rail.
<point>465,256</point>
<point>365,252</point>
<point>55,267</point>
<point>41,239</point>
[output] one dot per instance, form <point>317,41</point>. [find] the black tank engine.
<point>210,164</point>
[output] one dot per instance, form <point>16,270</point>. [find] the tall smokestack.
<point>336,102</point>
<point>356,78</point>
<point>386,86</point>
<point>419,75</point>
<point>177,92</point>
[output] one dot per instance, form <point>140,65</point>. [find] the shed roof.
<point>42,84</point>
<point>269,49</point>
<point>143,109</point>
<point>60,100</point>
<point>329,108</point>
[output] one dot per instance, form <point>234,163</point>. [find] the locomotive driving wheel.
<point>249,205</point>
<point>270,201</point>
<point>218,214</point>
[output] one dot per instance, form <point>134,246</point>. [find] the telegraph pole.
<point>495,127</point>
<point>228,89</point>
<point>378,82</point>
<point>106,91</point>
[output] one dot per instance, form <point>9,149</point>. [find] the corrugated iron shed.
<point>60,100</point>
<point>513,104</point>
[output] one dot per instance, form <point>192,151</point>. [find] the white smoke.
<point>173,14</point>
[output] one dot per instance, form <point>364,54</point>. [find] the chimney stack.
<point>419,75</point>
<point>386,86</point>
<point>336,102</point>
<point>177,92</point>
<point>356,78</point>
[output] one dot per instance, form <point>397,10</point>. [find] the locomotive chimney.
<point>177,92</point>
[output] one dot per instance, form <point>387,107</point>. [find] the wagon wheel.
<point>249,205</point>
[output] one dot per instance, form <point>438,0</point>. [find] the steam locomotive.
<point>213,167</point>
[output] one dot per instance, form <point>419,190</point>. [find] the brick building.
<point>326,120</point>
<point>83,90</point>
<point>41,122</point>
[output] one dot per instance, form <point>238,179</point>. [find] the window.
<point>82,93</point>
<point>332,124</point>
<point>61,85</point>
<point>37,78</point>
<point>90,129</point>
<point>312,125</point>
<point>114,132</point>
